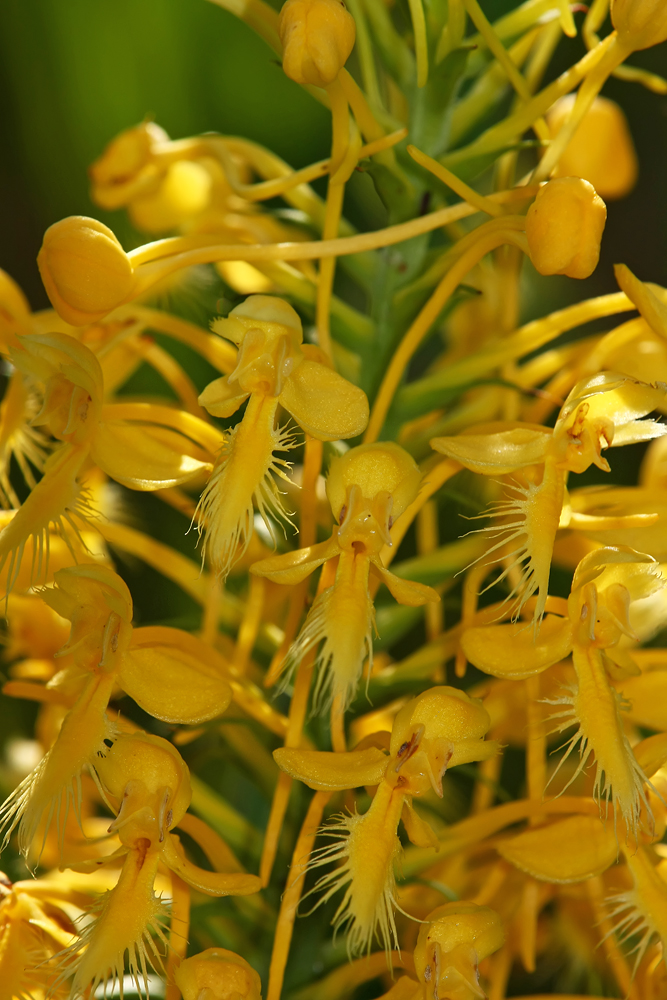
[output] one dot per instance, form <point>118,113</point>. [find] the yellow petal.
<point>212,883</point>
<point>514,650</point>
<point>405,591</point>
<point>333,771</point>
<point>325,404</point>
<point>647,696</point>
<point>614,396</point>
<point>222,399</point>
<point>170,683</point>
<point>293,567</point>
<point>145,458</point>
<point>496,453</point>
<point>469,751</point>
<point>420,833</point>
<point>568,850</point>
<point>638,572</point>
<point>653,309</point>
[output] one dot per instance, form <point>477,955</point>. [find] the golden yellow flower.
<point>368,488</point>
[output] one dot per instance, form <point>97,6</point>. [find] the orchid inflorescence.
<point>338,438</point>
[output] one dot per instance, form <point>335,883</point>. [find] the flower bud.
<point>86,272</point>
<point>218,974</point>
<point>564,227</point>
<point>639,23</point>
<point>317,37</point>
<point>601,150</point>
<point>126,166</point>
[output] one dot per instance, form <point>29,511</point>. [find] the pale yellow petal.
<point>325,404</point>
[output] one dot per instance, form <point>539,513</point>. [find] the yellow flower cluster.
<point>407,391</point>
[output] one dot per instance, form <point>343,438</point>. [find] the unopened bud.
<point>217,974</point>
<point>317,38</point>
<point>601,150</point>
<point>639,23</point>
<point>86,272</point>
<point>126,165</point>
<point>564,228</point>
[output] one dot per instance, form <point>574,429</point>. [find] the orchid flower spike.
<point>274,369</point>
<point>600,412</point>
<point>368,488</point>
<point>439,729</point>
<point>605,584</point>
<point>105,652</point>
<point>149,782</point>
<point>217,974</point>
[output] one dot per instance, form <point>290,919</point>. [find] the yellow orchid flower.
<point>274,369</point>
<point>368,488</point>
<point>166,681</point>
<point>142,446</point>
<point>451,944</point>
<point>217,974</point>
<point>439,729</point>
<point>35,924</point>
<point>147,778</point>
<point>453,940</point>
<point>604,585</point>
<point>600,412</point>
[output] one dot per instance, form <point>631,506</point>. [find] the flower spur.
<point>600,412</point>
<point>274,369</point>
<point>604,586</point>
<point>368,488</point>
<point>437,730</point>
